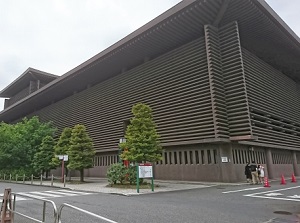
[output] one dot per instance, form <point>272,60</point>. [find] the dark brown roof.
<point>22,81</point>
<point>262,32</point>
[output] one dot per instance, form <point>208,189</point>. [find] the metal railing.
<point>13,209</point>
<point>81,210</point>
<point>33,180</point>
<point>57,213</point>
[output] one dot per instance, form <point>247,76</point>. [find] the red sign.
<point>145,164</point>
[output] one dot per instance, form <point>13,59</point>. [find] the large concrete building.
<point>222,78</point>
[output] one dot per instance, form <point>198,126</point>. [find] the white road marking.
<point>18,198</point>
<point>75,192</point>
<point>295,196</point>
<point>49,194</point>
<point>30,195</point>
<point>288,188</point>
<point>273,194</point>
<point>61,193</point>
<point>44,194</point>
<point>274,198</point>
<point>246,189</point>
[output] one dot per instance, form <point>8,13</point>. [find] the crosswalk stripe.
<point>18,198</point>
<point>75,192</point>
<point>30,195</point>
<point>62,193</point>
<point>44,194</point>
<point>48,194</point>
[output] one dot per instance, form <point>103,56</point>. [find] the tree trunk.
<point>81,175</point>
<point>47,174</point>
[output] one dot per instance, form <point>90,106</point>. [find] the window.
<point>185,158</point>
<point>175,157</point>
<point>197,156</point>
<point>191,157</point>
<point>202,157</point>
<point>208,157</point>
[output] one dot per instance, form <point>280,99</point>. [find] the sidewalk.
<point>101,185</point>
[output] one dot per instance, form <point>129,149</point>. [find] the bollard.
<point>9,177</point>
<point>52,180</point>
<point>23,178</point>
<point>64,180</point>
<point>41,183</point>
<point>31,178</point>
<point>16,178</point>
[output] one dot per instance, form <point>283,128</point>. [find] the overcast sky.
<point>57,35</point>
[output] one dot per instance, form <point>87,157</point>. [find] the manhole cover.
<point>283,212</point>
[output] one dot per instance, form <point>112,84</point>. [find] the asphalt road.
<point>217,204</point>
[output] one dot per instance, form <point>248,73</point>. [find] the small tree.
<point>42,159</point>
<point>142,140</point>
<point>62,147</point>
<point>81,152</point>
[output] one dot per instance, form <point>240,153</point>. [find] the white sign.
<point>63,157</point>
<point>224,159</point>
<point>145,171</point>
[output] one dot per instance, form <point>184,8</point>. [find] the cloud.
<point>288,11</point>
<point>57,35</point>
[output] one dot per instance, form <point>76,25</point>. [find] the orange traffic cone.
<point>282,179</point>
<point>266,182</point>
<point>293,179</point>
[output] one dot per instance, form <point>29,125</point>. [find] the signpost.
<point>63,158</point>
<point>144,170</point>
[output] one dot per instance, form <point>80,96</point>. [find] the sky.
<point>57,35</point>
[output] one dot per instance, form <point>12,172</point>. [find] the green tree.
<point>19,142</point>
<point>9,152</point>
<point>31,133</point>
<point>142,140</point>
<point>62,147</point>
<point>81,152</point>
<point>43,158</point>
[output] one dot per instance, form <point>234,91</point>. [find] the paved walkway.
<point>101,185</point>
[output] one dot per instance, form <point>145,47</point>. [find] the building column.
<point>269,163</point>
<point>226,168</point>
<point>295,165</point>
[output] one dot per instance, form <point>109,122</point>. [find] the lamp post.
<point>122,140</point>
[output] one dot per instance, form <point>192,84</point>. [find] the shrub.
<point>131,175</point>
<point>116,173</point>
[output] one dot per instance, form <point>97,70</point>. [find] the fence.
<point>33,180</point>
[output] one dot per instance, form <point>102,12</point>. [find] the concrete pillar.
<point>269,163</point>
<point>295,165</point>
<point>226,168</point>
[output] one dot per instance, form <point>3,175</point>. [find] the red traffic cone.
<point>293,179</point>
<point>282,179</point>
<point>266,182</point>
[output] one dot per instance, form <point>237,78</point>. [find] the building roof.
<point>262,32</point>
<point>22,81</point>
